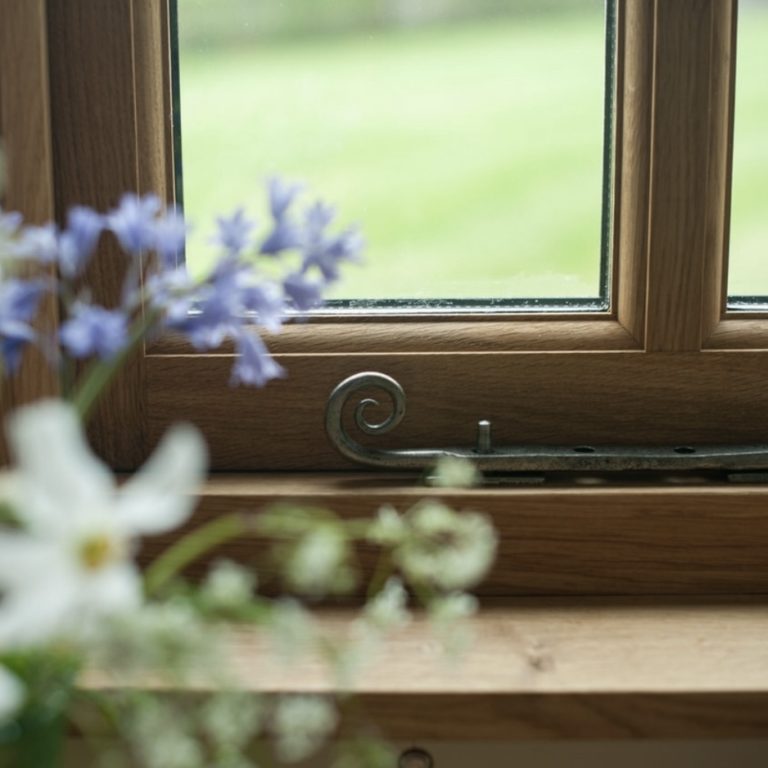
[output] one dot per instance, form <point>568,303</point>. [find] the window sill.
<point>554,540</point>
<point>555,669</point>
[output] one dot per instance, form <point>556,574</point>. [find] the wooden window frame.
<point>668,364</point>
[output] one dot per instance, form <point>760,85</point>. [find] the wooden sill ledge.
<point>553,540</point>
<point>543,669</point>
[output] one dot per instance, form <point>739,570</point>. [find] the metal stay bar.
<point>490,458</point>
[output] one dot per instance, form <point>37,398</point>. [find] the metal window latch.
<point>742,463</point>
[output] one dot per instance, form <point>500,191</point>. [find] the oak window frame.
<point>668,363</point>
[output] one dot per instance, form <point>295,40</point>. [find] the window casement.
<point>668,364</point>
<point>85,116</point>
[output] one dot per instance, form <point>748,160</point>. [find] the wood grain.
<point>94,111</point>
<point>663,539</point>
<point>633,140</point>
<point>536,398</point>
<point>26,137</point>
<point>681,130</point>
<point>723,80</point>
<point>552,669</point>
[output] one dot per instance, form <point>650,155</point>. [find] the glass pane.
<point>466,137</point>
<point>748,252</point>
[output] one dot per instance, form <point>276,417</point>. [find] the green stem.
<point>101,372</point>
<point>192,546</point>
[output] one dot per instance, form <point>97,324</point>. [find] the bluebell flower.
<point>323,251</point>
<point>170,234</point>
<point>78,241</point>
<point>233,233</point>
<point>302,291</point>
<point>284,235</point>
<point>93,330</point>
<point>134,222</point>
<point>327,254</point>
<point>19,300</point>
<point>170,292</point>
<point>265,300</point>
<point>254,365</point>
<point>318,217</point>
<point>281,195</point>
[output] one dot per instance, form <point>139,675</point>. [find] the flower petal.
<point>161,495</point>
<point>56,465</point>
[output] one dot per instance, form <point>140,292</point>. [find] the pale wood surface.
<point>551,669</point>
<point>632,540</point>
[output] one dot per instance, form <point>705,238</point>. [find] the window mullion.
<point>685,69</point>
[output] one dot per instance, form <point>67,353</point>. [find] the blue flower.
<point>303,292</point>
<point>234,232</point>
<point>170,234</point>
<point>265,300</point>
<point>284,235</point>
<point>78,242</point>
<point>134,222</point>
<point>254,366</point>
<point>281,195</point>
<point>94,330</point>
<point>323,251</point>
<point>19,300</point>
<point>170,292</point>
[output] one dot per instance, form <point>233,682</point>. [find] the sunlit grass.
<point>470,156</point>
<point>748,259</point>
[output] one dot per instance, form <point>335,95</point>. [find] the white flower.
<point>449,615</point>
<point>448,549</point>
<point>318,563</point>
<point>388,528</point>
<point>292,629</point>
<point>389,608</point>
<point>454,472</point>
<point>70,564</point>
<point>11,695</point>
<point>228,585</point>
<point>301,723</point>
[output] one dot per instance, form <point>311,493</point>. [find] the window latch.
<point>742,463</point>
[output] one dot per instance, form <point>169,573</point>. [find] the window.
<point>667,364</point>
<point>438,125</point>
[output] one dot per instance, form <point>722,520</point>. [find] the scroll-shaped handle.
<point>489,458</point>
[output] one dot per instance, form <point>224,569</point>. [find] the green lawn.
<point>470,155</point>
<point>748,258</point>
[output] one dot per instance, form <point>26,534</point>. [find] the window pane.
<point>466,137</point>
<point>748,253</point>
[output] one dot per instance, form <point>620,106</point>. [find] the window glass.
<point>466,137</point>
<point>748,253</point>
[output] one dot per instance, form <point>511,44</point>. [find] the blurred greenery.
<point>748,257</point>
<point>470,153</point>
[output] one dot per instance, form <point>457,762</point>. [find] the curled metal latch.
<point>490,458</point>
